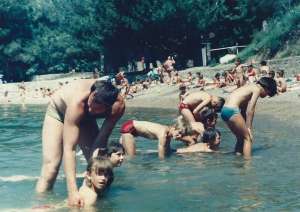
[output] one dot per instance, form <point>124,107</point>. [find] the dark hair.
<point>105,92</point>
<point>208,114</point>
<point>280,72</point>
<point>263,63</point>
<point>268,84</point>
<point>272,73</point>
<point>220,104</point>
<point>209,136</point>
<point>101,164</point>
<point>115,147</point>
<point>217,75</point>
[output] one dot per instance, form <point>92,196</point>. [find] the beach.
<point>282,106</point>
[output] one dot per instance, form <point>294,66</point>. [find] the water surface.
<point>194,182</point>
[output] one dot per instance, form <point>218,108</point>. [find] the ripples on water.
<point>206,182</point>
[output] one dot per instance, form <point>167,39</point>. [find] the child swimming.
<point>210,141</point>
<point>238,111</point>
<point>99,176</point>
<point>116,154</point>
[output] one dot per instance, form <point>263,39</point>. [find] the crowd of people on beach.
<point>74,106</point>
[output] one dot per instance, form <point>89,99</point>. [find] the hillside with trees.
<point>55,36</point>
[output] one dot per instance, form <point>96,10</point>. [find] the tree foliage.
<point>39,37</point>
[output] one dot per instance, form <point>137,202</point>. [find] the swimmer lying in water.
<point>210,142</point>
<point>132,128</point>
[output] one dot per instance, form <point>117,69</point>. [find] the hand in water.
<point>75,200</point>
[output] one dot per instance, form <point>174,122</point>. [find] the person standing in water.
<point>70,120</point>
<point>238,111</point>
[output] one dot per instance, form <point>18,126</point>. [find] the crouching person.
<point>154,131</point>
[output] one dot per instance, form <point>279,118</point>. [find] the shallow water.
<point>194,182</point>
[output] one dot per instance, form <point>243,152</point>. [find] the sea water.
<point>191,182</point>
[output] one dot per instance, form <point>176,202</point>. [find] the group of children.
<point>195,127</point>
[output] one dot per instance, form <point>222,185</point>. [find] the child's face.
<point>215,144</point>
<point>99,180</point>
<point>176,134</point>
<point>211,123</point>
<point>117,158</point>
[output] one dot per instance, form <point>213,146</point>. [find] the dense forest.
<point>54,36</point>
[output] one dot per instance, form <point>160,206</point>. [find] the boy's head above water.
<point>269,86</point>
<point>99,173</point>
<point>116,154</point>
<point>212,137</point>
<point>217,103</point>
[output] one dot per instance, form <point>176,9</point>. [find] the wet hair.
<point>182,125</point>
<point>238,60</point>
<point>221,102</point>
<point>209,136</point>
<point>208,115</point>
<point>115,147</point>
<point>268,84</point>
<point>217,75</point>
<point>101,164</point>
<point>272,74</point>
<point>105,92</point>
<point>280,72</point>
<point>263,63</point>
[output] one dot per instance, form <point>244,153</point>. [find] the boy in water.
<point>210,141</point>
<point>238,111</point>
<point>132,128</point>
<point>99,176</point>
<point>281,82</point>
<point>193,103</point>
<point>116,154</point>
<point>70,120</point>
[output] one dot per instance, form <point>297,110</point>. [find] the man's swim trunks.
<point>228,112</point>
<point>183,106</point>
<point>128,127</point>
<point>53,112</point>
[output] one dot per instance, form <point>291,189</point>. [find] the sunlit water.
<point>194,182</point>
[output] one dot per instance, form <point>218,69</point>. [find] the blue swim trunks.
<point>228,112</point>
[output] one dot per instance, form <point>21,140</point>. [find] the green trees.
<point>38,37</point>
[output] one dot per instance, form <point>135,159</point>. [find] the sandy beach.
<point>283,106</point>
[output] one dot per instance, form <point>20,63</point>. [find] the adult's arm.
<point>73,116</point>
<point>109,123</point>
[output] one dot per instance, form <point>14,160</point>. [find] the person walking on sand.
<point>70,120</point>
<point>238,111</point>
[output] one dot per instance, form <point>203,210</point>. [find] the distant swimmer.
<point>281,82</point>
<point>238,111</point>
<point>70,120</point>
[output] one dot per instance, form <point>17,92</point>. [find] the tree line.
<point>55,36</point>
